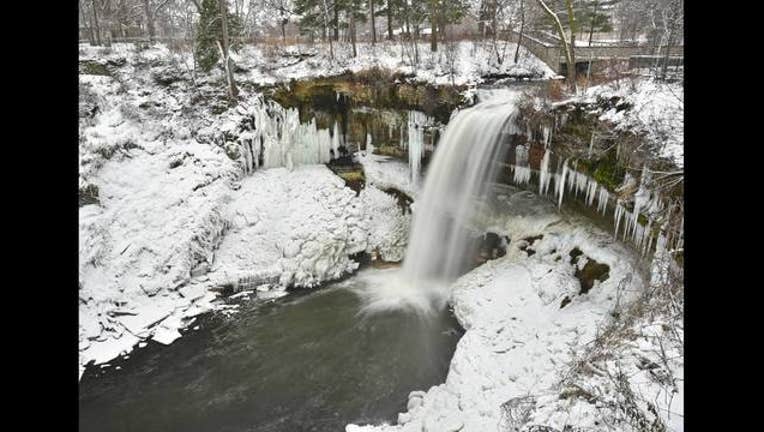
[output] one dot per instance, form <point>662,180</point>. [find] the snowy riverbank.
<point>529,322</point>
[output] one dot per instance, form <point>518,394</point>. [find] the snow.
<point>387,172</point>
<point>179,215</point>
<point>281,228</point>
<point>265,65</point>
<point>518,338</point>
<point>178,218</point>
<point>656,110</point>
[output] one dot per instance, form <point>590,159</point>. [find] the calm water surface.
<point>305,362</point>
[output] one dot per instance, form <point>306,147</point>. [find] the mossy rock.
<point>591,271</point>
<point>88,195</point>
<point>391,150</point>
<point>352,176</point>
<point>609,174</point>
<point>91,67</point>
<point>232,151</point>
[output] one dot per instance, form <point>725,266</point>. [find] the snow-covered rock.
<point>650,107</point>
<point>519,332</point>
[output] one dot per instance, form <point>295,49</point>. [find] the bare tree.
<point>389,11</point>
<point>326,28</point>
<point>433,25</point>
<point>373,23</point>
<point>672,18</point>
<point>569,48</point>
<point>591,22</point>
<point>233,91</point>
<point>95,23</point>
<point>352,30</point>
<point>88,27</point>
<point>522,29</point>
<point>150,12</point>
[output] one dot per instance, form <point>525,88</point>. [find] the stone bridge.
<point>550,51</point>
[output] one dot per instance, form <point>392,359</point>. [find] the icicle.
<point>561,184</point>
<point>547,136</point>
<point>416,122</point>
<point>571,180</point>
<point>581,181</point>
<point>647,236</point>
<point>639,232</point>
<point>602,200</point>
<point>591,146</point>
<point>619,210</point>
<point>369,145</point>
<point>544,176</point>
<point>590,192</point>
<point>336,140</point>
<point>522,173</point>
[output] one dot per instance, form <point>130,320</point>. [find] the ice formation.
<point>271,136</point>
<point>544,176</point>
<point>522,169</point>
<point>560,185</point>
<point>417,121</point>
<point>629,225</point>
<point>602,200</point>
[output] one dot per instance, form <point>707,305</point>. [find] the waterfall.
<point>458,179</point>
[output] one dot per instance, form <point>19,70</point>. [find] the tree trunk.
<point>389,21</point>
<point>336,23</point>
<point>95,23</point>
<point>352,32</point>
<point>573,29</point>
<point>149,19</point>
<point>373,23</point>
<point>481,19</point>
<point>433,25</point>
<point>233,91</point>
<point>664,67</point>
<point>591,26</point>
<point>326,24</point>
<point>568,48</point>
<point>522,28</point>
<point>88,28</point>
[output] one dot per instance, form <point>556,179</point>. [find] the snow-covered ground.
<point>387,172</point>
<point>459,63</point>
<point>176,217</point>
<point>656,109</point>
<point>527,324</point>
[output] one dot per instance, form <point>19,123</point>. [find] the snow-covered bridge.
<point>549,50</point>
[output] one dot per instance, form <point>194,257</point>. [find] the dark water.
<point>300,363</point>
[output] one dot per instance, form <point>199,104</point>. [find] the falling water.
<point>458,178</point>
